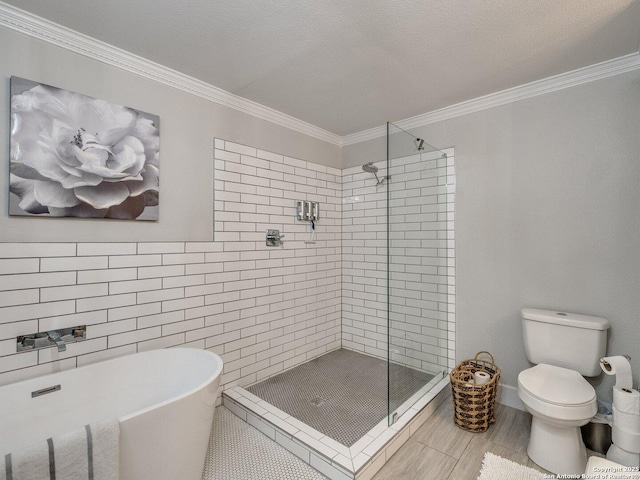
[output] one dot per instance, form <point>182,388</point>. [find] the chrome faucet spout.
<point>57,339</point>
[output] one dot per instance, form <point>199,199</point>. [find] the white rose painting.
<point>77,156</point>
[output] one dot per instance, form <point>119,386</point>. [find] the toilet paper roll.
<point>627,400</point>
<point>629,441</point>
<point>621,457</point>
<point>620,367</point>
<point>626,421</point>
<point>481,377</point>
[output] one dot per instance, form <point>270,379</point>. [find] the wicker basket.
<point>474,403</point>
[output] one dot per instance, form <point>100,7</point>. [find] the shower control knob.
<point>273,238</point>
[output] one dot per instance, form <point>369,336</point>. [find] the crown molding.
<point>26,23</point>
<point>588,74</point>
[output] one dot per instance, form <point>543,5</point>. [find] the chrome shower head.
<point>370,168</point>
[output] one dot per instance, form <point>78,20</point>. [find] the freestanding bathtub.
<point>164,399</point>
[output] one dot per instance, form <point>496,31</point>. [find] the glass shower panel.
<point>419,268</point>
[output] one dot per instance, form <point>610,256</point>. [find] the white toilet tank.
<point>568,340</point>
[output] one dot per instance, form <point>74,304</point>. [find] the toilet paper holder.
<point>607,366</point>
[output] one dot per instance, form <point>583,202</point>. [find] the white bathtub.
<point>164,399</point>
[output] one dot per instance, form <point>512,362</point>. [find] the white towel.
<point>89,453</point>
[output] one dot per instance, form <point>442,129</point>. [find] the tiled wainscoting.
<point>362,460</point>
<point>263,309</point>
<point>421,245</point>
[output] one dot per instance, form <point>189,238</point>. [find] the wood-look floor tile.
<point>442,434</point>
<point>442,450</point>
<point>415,461</point>
<point>469,465</point>
<point>531,464</point>
<point>511,429</point>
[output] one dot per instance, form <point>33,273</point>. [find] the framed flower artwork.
<point>78,156</point>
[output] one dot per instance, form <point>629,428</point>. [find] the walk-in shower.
<point>397,324</point>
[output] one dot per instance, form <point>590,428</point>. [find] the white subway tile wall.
<point>422,272</point>
<point>263,309</point>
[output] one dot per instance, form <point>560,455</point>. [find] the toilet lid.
<point>557,385</point>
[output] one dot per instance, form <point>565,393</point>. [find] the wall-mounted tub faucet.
<point>56,338</point>
<point>59,338</point>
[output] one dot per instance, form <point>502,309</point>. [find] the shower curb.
<point>362,460</point>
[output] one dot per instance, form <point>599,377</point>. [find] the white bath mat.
<point>498,468</point>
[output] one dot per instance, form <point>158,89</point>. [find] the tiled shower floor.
<point>334,459</point>
<point>342,394</point>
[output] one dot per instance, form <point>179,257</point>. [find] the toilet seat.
<point>557,393</point>
<point>556,385</point>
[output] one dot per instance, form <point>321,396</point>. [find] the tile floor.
<point>342,394</point>
<point>333,459</point>
<point>238,451</point>
<point>439,450</point>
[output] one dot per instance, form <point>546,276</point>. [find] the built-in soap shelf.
<point>58,338</point>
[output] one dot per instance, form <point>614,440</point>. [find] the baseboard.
<point>508,395</point>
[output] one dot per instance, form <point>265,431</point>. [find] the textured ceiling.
<point>349,65</point>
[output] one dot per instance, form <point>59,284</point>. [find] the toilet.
<point>565,347</point>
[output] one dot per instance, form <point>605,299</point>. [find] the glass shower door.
<point>419,267</point>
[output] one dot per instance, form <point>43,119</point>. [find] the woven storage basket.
<point>474,404</point>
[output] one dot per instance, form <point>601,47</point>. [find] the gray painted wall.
<point>188,125</point>
<point>547,214</point>
<point>547,198</point>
